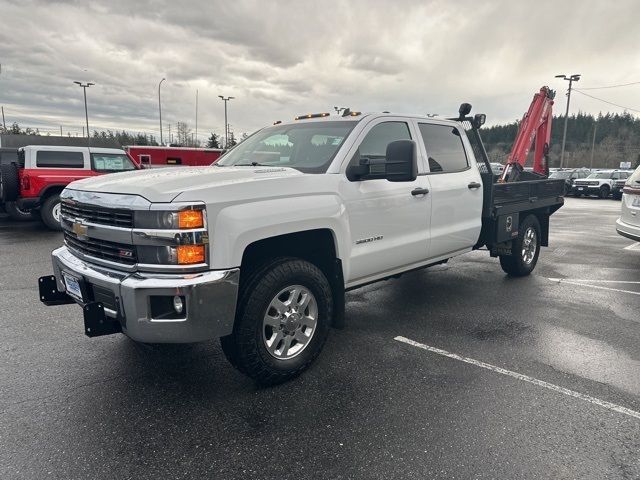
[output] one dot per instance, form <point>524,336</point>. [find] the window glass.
<point>111,162</point>
<point>444,147</point>
<point>59,159</point>
<point>305,146</point>
<point>635,177</point>
<point>374,144</point>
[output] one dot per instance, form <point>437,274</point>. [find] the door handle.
<point>419,191</point>
<point>473,185</point>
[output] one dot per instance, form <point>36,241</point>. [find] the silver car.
<point>628,225</point>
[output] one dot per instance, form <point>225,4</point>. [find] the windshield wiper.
<point>252,164</point>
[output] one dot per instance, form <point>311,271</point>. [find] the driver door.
<point>389,224</point>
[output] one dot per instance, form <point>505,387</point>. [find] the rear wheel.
<point>604,191</point>
<point>524,250</point>
<point>50,212</point>
<point>9,182</point>
<point>17,213</point>
<point>283,319</point>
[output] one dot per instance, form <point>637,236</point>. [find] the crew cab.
<point>628,225</point>
<point>40,174</point>
<point>259,249</point>
<point>599,183</point>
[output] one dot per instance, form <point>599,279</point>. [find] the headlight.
<point>188,218</point>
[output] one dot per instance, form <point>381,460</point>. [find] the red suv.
<point>35,181</point>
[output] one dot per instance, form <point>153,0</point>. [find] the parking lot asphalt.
<point>537,377</point>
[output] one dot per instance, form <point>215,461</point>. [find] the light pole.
<point>226,125</point>
<point>86,112</point>
<point>160,109</point>
<point>573,78</point>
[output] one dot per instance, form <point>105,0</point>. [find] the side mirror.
<point>399,165</point>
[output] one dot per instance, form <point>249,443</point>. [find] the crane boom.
<point>535,125</point>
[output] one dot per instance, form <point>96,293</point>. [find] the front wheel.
<point>283,319</point>
<point>603,192</point>
<point>50,212</point>
<point>524,250</point>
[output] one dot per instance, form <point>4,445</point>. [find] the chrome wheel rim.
<point>529,245</point>
<point>56,212</point>
<point>290,322</point>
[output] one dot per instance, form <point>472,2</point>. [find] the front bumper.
<point>629,231</point>
<point>586,189</point>
<point>210,299</point>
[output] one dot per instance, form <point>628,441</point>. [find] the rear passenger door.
<point>456,189</point>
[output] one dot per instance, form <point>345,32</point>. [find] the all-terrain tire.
<point>604,191</point>
<point>16,213</point>
<point>525,249</point>
<point>246,348</point>
<point>9,182</point>
<point>50,212</point>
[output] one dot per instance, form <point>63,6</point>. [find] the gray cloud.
<point>288,57</point>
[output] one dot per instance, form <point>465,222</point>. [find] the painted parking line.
<point>524,378</point>
<point>583,283</point>
<point>633,246</point>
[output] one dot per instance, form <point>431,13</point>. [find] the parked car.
<point>618,186</point>
<point>259,249</point>
<point>36,179</point>
<point>628,225</point>
<point>569,176</point>
<point>599,183</point>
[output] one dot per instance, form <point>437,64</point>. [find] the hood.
<point>165,184</point>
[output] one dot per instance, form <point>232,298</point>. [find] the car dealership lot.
<point>372,406</point>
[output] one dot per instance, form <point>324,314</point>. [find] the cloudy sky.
<point>283,58</point>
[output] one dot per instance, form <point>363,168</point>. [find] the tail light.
<point>631,190</point>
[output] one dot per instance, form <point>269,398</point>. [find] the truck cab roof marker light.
<point>311,115</point>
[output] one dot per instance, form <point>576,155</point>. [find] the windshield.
<point>308,147</point>
<point>111,162</point>
<point>562,175</point>
<point>600,175</point>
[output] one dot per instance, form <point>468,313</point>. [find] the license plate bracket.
<point>75,287</point>
<point>636,202</point>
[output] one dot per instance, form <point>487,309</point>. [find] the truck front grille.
<point>100,215</point>
<point>111,251</point>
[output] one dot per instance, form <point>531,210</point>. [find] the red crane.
<point>535,125</point>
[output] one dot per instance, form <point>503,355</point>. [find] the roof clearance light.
<point>355,114</point>
<point>311,115</point>
<point>190,219</point>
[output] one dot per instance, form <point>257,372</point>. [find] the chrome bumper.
<point>210,299</point>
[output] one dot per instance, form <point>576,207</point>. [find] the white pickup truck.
<point>259,249</point>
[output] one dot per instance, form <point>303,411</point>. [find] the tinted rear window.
<point>444,146</point>
<point>59,159</point>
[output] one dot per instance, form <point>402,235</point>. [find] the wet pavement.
<point>371,407</point>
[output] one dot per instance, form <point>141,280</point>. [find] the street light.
<point>226,125</point>
<point>160,109</point>
<point>86,112</point>
<point>573,78</point>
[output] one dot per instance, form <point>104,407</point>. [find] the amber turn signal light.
<point>190,254</point>
<point>190,219</point>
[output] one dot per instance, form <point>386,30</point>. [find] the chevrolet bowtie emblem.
<point>79,229</point>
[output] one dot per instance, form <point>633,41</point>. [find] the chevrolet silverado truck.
<point>259,249</point>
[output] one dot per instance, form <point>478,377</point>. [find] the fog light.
<point>178,306</point>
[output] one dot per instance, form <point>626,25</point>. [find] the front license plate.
<point>580,188</point>
<point>73,286</point>
<point>636,202</point>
